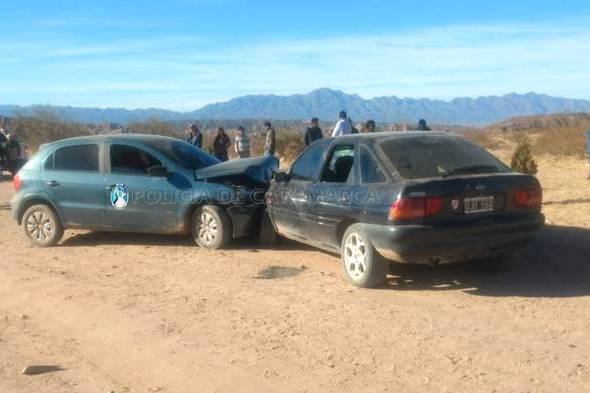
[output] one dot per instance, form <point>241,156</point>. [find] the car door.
<point>136,200</point>
<point>74,180</point>
<point>335,193</point>
<point>291,204</point>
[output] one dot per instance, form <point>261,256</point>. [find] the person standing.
<point>370,126</point>
<point>220,144</point>
<point>242,143</point>
<point>194,136</point>
<point>422,126</point>
<point>270,144</point>
<point>3,141</point>
<point>313,133</point>
<point>13,153</point>
<point>343,126</point>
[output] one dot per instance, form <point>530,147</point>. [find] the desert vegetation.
<point>555,135</point>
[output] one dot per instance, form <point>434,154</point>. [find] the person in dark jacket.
<point>13,154</point>
<point>220,144</point>
<point>270,143</point>
<point>194,136</point>
<point>313,133</point>
<point>422,126</point>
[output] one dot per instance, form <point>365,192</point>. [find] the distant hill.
<point>326,103</point>
<point>543,123</point>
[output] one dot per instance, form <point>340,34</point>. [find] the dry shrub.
<point>488,140</point>
<point>522,159</point>
<point>155,127</point>
<point>561,142</point>
<point>44,127</point>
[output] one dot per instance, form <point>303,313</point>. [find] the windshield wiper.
<point>469,169</point>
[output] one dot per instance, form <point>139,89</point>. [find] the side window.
<point>50,162</point>
<point>306,167</point>
<point>131,160</point>
<point>74,158</point>
<point>339,165</point>
<point>371,171</point>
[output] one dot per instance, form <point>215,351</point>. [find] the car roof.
<point>392,134</point>
<point>109,137</point>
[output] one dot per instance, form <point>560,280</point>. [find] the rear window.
<point>436,156</point>
<point>74,158</point>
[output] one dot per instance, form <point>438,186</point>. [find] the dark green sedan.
<point>139,183</point>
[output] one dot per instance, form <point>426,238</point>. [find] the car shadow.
<point>97,238</point>
<point>555,264</point>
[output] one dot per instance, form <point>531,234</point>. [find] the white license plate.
<point>478,204</point>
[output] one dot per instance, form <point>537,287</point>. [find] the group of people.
<point>222,142</point>
<point>12,153</point>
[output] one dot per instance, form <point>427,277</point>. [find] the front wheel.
<point>42,226</point>
<point>362,264</point>
<point>211,227</point>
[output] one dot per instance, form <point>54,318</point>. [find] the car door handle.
<point>53,183</point>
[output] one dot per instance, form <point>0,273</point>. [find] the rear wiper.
<point>471,169</point>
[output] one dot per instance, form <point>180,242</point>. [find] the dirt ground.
<point>135,313</point>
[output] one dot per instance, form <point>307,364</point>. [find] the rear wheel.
<point>362,264</point>
<point>42,226</point>
<point>211,227</point>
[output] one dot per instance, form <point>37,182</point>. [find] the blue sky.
<point>182,54</point>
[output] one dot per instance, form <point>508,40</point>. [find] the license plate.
<point>479,204</point>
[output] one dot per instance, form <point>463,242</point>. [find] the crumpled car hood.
<point>248,172</point>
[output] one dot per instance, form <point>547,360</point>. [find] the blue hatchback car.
<point>139,183</point>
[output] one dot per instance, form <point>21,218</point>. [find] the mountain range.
<point>325,104</point>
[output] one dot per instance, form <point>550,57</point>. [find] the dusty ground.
<point>132,313</point>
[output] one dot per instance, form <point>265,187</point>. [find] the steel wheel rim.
<point>207,228</point>
<point>355,256</point>
<point>39,226</point>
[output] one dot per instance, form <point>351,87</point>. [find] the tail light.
<point>529,198</point>
<point>16,182</point>
<point>413,208</point>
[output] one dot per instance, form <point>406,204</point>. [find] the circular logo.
<point>119,196</point>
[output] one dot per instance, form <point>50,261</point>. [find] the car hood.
<point>248,172</point>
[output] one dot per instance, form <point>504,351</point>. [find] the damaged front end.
<point>245,182</point>
<point>250,173</point>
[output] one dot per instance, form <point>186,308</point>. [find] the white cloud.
<point>182,72</point>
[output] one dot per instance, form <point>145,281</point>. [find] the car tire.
<point>268,237</point>
<point>211,227</point>
<point>42,226</point>
<point>363,266</point>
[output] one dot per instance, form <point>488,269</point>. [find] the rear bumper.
<point>427,244</point>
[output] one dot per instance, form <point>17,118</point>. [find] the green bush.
<point>522,159</point>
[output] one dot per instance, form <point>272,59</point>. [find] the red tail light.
<point>529,198</point>
<point>412,208</point>
<point>16,182</point>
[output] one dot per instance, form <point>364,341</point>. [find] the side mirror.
<point>158,171</point>
<point>282,177</point>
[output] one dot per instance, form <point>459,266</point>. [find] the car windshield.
<point>438,156</point>
<point>184,154</point>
